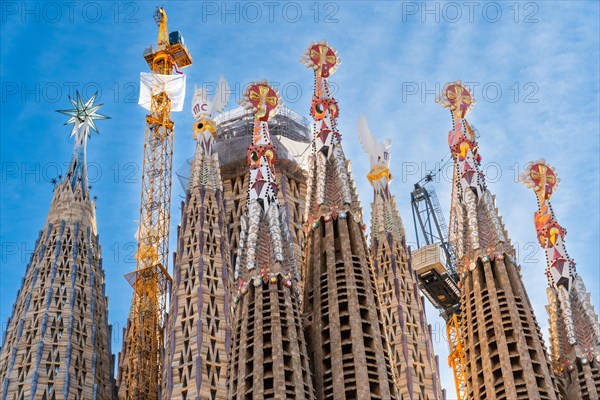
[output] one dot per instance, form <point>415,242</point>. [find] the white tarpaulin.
<point>152,84</point>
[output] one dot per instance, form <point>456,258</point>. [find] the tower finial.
<point>542,178</point>
<point>82,116</point>
<point>544,181</point>
<point>264,102</point>
<point>379,154</point>
<point>322,58</point>
<point>204,111</point>
<point>461,139</point>
<point>262,99</point>
<point>458,98</point>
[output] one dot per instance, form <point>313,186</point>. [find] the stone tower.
<point>198,325</point>
<point>415,367</point>
<point>574,327</point>
<point>57,343</point>
<point>343,325</point>
<point>268,354</point>
<point>505,356</point>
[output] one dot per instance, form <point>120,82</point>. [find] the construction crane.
<point>435,263</point>
<point>151,279</point>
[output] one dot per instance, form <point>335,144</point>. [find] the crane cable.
<point>429,176</point>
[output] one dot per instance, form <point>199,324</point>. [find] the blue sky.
<point>534,67</point>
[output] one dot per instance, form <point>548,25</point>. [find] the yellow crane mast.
<point>456,358</point>
<point>151,280</point>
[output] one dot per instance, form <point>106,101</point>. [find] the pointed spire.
<point>66,266</point>
<point>461,139</point>
<point>82,116</point>
<point>416,371</point>
<point>253,251</point>
<point>569,299</point>
<point>201,275</point>
<point>328,168</point>
<point>485,232</point>
<point>264,102</point>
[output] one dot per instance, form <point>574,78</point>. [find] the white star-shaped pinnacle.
<point>83,114</point>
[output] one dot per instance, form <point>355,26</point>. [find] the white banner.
<point>152,84</point>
